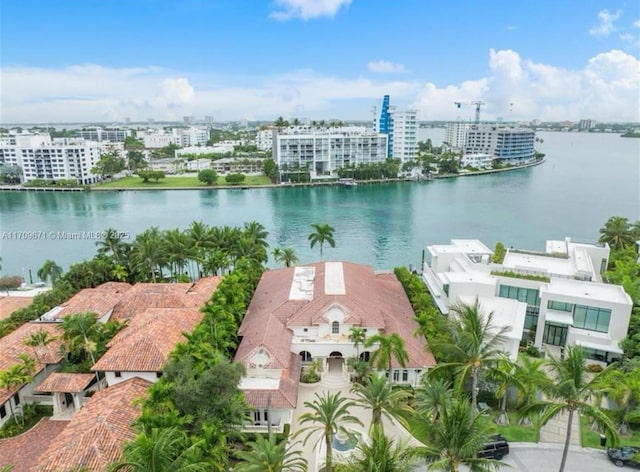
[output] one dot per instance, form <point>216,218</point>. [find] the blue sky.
<point>88,60</point>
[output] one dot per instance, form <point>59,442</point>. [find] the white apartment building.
<point>512,145</point>
<point>556,297</point>
<point>183,137</point>
<point>264,139</point>
<point>40,157</point>
<point>403,136</point>
<point>324,152</point>
<point>101,134</point>
<point>455,134</point>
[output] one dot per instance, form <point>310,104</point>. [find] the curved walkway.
<point>22,451</point>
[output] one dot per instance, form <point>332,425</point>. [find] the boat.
<point>348,182</point>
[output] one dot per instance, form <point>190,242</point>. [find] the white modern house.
<point>557,296</point>
<point>302,316</point>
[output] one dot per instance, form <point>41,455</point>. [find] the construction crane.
<point>477,104</point>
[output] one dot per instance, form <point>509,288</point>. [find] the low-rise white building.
<point>508,144</point>
<point>98,134</point>
<point>479,161</point>
<point>561,291</point>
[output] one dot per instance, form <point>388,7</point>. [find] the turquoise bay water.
<point>587,178</point>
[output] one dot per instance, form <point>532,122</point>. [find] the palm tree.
<point>503,372</point>
<point>164,450</point>
<point>178,250</point>
<point>382,454</point>
<point>39,340</point>
<point>323,234</point>
<point>149,253</point>
<point>281,123</point>
<point>49,270</point>
<point>389,347</point>
<point>257,233</point>
<point>80,331</point>
<point>379,396</point>
<point>357,336</point>
<point>432,398</point>
<point>270,455</point>
<point>287,256</point>
<point>475,344</point>
<point>457,437</point>
<point>569,390</point>
<point>623,388</point>
<point>617,233</point>
<point>201,238</point>
<point>111,243</point>
<point>13,378</point>
<point>530,377</point>
<point>329,414</point>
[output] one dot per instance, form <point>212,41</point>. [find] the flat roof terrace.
<point>590,290</point>
<point>547,264</point>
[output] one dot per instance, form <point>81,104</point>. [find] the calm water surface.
<point>587,178</point>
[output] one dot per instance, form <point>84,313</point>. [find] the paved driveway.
<point>547,457</point>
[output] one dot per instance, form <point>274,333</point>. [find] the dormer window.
<point>335,328</point>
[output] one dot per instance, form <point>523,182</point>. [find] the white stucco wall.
<point>113,380</point>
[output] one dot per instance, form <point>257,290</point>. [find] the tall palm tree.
<point>13,378</point>
<point>357,336</point>
<point>164,450</point>
<point>617,233</point>
<point>49,270</point>
<point>379,396</point>
<point>475,345</point>
<point>381,454</point>
<point>287,256</point>
<point>80,332</point>
<point>323,234</point>
<point>112,243</point>
<point>569,389</point>
<point>389,347</point>
<point>178,250</point>
<point>201,239</point>
<point>503,373</point>
<point>456,438</point>
<point>270,455</point>
<point>530,378</point>
<point>329,414</point>
<point>257,233</point>
<point>149,253</point>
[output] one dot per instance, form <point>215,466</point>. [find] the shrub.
<point>595,368</point>
<point>498,253</point>
<point>10,282</point>
<point>532,351</point>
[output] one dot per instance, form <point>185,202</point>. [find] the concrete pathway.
<point>555,431</point>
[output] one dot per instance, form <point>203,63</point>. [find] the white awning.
<point>560,318</point>
<point>609,346</point>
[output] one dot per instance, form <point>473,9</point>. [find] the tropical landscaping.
<point>191,415</point>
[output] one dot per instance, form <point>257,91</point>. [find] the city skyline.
<point>317,59</point>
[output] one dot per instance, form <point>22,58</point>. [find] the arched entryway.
<point>335,363</point>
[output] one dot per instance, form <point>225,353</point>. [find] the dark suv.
<point>496,448</point>
<point>625,456</point>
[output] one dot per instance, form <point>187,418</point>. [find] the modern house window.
<point>118,374</point>
<point>560,306</point>
<point>335,328</point>
<point>530,296</point>
<point>591,318</point>
<point>531,317</point>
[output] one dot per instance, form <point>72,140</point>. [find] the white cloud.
<point>307,9</point>
<point>606,88</point>
<point>386,67</point>
<point>636,24</point>
<point>605,23</point>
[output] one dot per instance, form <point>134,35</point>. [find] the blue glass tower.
<point>385,123</point>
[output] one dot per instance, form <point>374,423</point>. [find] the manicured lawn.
<point>592,439</point>
<point>179,181</point>
<point>513,432</point>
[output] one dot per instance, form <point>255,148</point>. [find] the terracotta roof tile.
<point>94,437</point>
<point>65,383</point>
<point>143,296</point>
<point>100,300</point>
<point>12,345</point>
<point>269,333</point>
<point>145,344</point>
<point>10,304</point>
<point>22,451</point>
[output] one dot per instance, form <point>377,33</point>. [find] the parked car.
<point>626,455</point>
<point>496,448</point>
